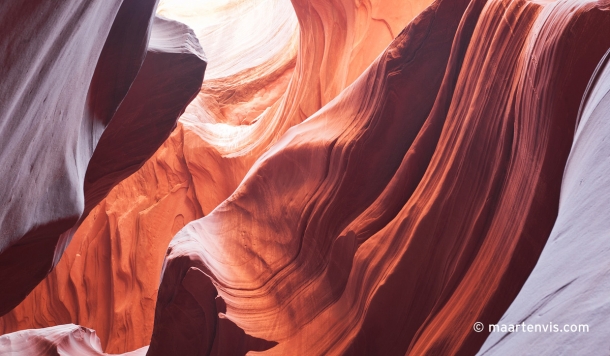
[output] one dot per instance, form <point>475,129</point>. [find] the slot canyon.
<point>304,177</point>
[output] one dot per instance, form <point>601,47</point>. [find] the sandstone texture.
<point>570,284</point>
<point>61,340</point>
<point>77,87</point>
<point>351,178</point>
<point>277,63</point>
<point>411,206</point>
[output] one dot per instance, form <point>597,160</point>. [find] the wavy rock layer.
<point>65,68</point>
<point>559,54</point>
<point>414,200</point>
<point>570,283</point>
<point>169,78</point>
<point>410,206</point>
<point>261,81</point>
<point>58,340</point>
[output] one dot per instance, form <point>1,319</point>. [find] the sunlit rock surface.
<point>65,68</point>
<point>263,81</point>
<point>570,283</point>
<point>61,340</point>
<point>410,206</point>
<point>346,185</point>
<point>91,112</point>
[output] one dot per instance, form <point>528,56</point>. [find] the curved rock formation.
<point>168,79</point>
<point>108,279</point>
<point>58,340</point>
<point>328,199</point>
<point>65,69</point>
<point>74,128</point>
<point>296,167</point>
<point>569,285</point>
<point>560,53</point>
<point>369,230</point>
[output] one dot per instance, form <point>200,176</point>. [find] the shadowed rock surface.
<point>109,276</point>
<point>58,108</point>
<point>570,283</point>
<point>327,196</point>
<point>388,222</point>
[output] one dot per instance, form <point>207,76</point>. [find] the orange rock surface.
<point>346,185</point>
<point>406,209</point>
<point>76,88</point>
<point>566,295</point>
<point>108,278</point>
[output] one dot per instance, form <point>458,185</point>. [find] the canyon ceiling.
<point>304,177</point>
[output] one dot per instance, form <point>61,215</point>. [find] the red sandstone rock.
<point>281,252</point>
<point>411,205</point>
<point>569,285</point>
<point>109,276</point>
<point>168,80</point>
<point>314,251</point>
<point>68,70</point>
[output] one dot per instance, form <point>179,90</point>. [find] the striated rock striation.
<point>326,193</point>
<point>264,80</point>
<point>69,114</point>
<point>409,207</point>
<point>559,54</point>
<point>58,340</point>
<point>569,285</point>
<point>55,109</point>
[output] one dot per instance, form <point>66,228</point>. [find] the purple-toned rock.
<point>76,96</point>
